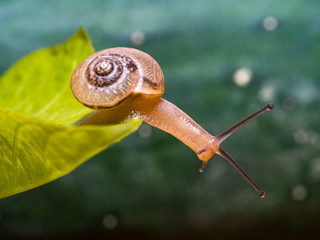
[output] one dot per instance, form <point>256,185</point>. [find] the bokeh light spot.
<point>313,137</point>
<point>145,131</point>
<point>299,192</point>
<point>301,136</point>
<point>315,169</point>
<point>242,77</point>
<point>110,222</point>
<point>137,38</point>
<point>270,23</point>
<point>266,93</point>
<point>289,103</point>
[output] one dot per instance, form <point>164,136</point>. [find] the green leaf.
<point>37,108</point>
<point>39,84</point>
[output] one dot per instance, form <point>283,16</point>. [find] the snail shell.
<point>108,77</point>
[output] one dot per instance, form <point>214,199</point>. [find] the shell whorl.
<point>108,77</point>
<point>106,70</point>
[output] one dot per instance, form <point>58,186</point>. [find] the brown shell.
<point>108,77</point>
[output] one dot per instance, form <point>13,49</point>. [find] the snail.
<point>125,83</point>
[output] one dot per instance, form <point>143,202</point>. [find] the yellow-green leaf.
<point>39,84</point>
<point>38,142</point>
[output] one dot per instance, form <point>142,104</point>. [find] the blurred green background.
<point>222,60</point>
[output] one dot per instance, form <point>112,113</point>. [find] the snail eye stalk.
<point>227,133</point>
<point>229,159</point>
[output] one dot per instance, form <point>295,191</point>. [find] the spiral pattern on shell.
<point>107,78</point>
<point>106,70</point>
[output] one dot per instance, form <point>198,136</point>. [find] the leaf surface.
<point>38,142</point>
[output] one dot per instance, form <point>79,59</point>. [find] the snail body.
<point>125,83</point>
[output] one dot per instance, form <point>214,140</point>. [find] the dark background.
<point>148,186</point>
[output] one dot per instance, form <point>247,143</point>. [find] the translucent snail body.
<point>125,83</point>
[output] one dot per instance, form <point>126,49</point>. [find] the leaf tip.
<point>82,33</point>
<point>82,36</point>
